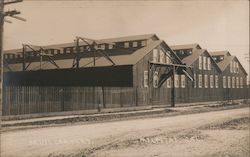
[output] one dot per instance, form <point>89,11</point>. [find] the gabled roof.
<point>220,53</point>
<point>185,46</point>
<point>189,60</point>
<point>196,52</point>
<point>121,59</point>
<point>226,61</point>
<point>130,38</point>
<point>99,41</point>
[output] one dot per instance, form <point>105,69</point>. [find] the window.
<point>233,82</point>
<point>162,57</point>
<point>204,62</point>
<point>237,82</point>
<point>155,55</point>
<point>143,43</point>
<point>183,81</point>
<point>102,46</point>
<point>224,82</point>
<point>110,46</point>
<point>229,82</point>
<point>155,79</point>
<point>211,81</point>
<point>126,45</point>
<point>208,63</point>
<point>237,67</point>
<point>145,79</point>
<point>88,48</point>
<point>194,80</point>
<point>205,81</point>
<point>135,44</point>
<point>216,81</point>
<point>169,83</point>
<point>241,82</point>
<point>67,50</point>
<point>231,66</point>
<point>81,48</point>
<point>234,67</point>
<point>200,81</point>
<point>176,81</point>
<point>200,62</point>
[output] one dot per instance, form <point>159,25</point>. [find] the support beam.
<point>173,89</point>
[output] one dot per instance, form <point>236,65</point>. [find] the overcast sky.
<point>216,25</point>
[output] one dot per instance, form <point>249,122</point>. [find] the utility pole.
<point>11,13</point>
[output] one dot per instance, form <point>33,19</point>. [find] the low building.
<point>111,73</point>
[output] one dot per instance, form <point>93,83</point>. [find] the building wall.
<point>230,93</point>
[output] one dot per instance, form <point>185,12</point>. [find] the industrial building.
<point>125,72</point>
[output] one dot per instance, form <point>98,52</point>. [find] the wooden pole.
<point>1,60</point>
<point>24,53</point>
<point>173,88</point>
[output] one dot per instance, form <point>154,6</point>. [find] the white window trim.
<point>176,81</point>
<point>231,66</point>
<point>162,57</point>
<point>143,43</point>
<point>229,82</point>
<point>200,62</point>
<point>156,78</point>
<point>183,81</point>
<point>237,82</point>
<point>135,44</point>
<point>195,82</point>
<point>169,83</point>
<point>205,81</point>
<point>241,82</point>
<point>155,55</point>
<point>145,79</point>
<point>216,81</point>
<point>224,82</point>
<point>233,82</point>
<point>208,63</point>
<point>204,63</point>
<point>211,81</point>
<point>200,81</point>
<point>126,45</point>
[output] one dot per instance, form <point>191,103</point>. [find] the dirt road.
<point>185,135</point>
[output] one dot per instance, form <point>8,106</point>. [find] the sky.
<point>214,25</point>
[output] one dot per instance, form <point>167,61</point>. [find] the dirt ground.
<point>216,133</point>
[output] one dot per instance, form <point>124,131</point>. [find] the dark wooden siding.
<point>112,76</point>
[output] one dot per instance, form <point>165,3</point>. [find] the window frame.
<point>200,62</point>
<point>126,44</point>
<point>156,79</point>
<point>208,63</point>
<point>155,55</point>
<point>224,82</point>
<point>206,81</point>
<point>216,81</point>
<point>183,81</point>
<point>176,81</point>
<point>145,79</point>
<point>211,81</point>
<point>233,82</point>
<point>200,80</point>
<point>204,63</point>
<point>135,44</point>
<point>228,81</point>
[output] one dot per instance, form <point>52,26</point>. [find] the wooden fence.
<point>28,100</point>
